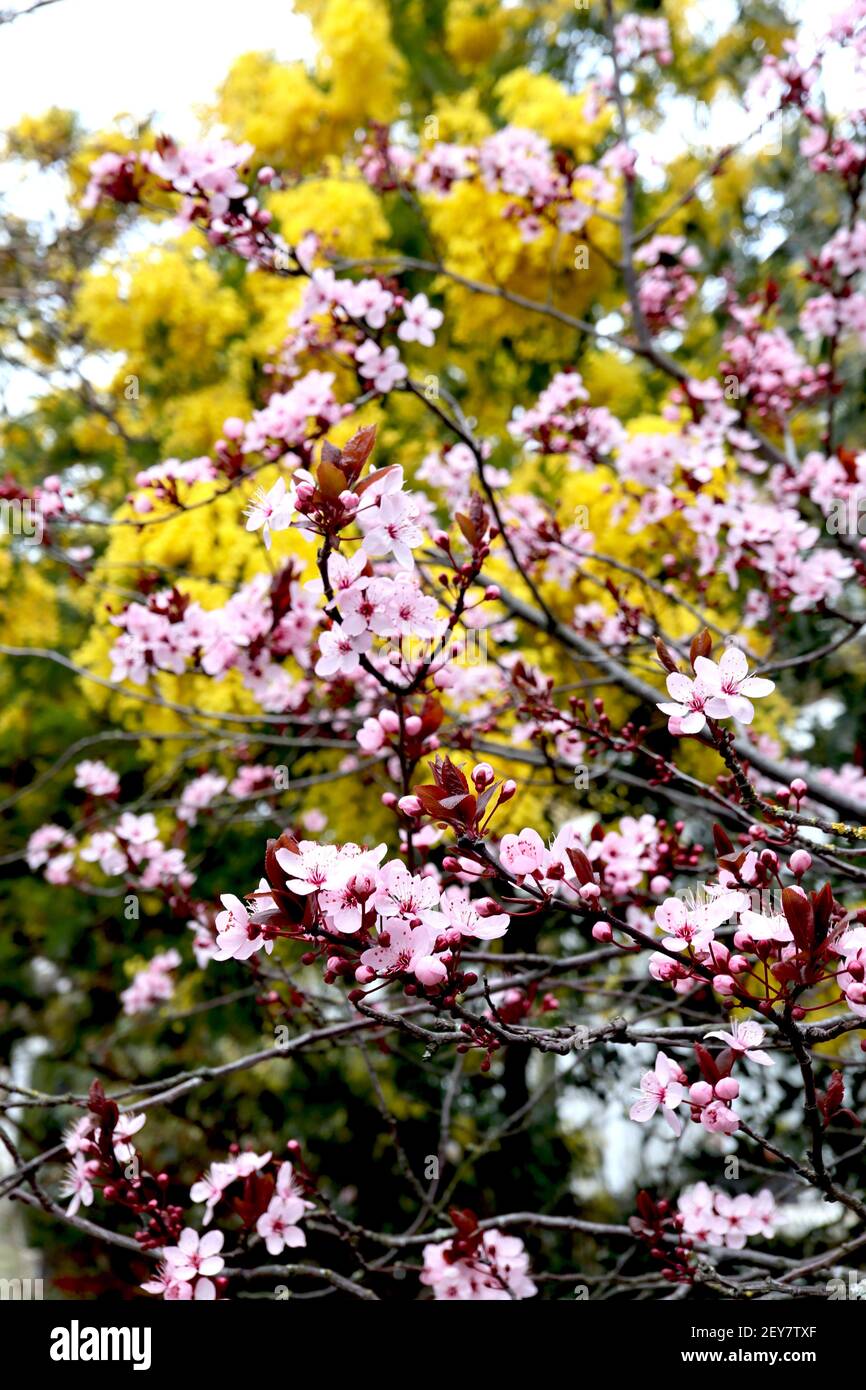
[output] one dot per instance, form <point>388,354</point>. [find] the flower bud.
<point>728,1088</point>
<point>701,1093</point>
<point>602,931</point>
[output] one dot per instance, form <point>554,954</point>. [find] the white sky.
<point>105,57</point>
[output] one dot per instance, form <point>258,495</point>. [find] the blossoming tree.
<point>475,528</point>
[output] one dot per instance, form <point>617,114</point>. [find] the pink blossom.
<point>392,528</point>
<point>525,853</point>
<point>687,711</point>
<point>195,1254</point>
<point>499,1272</point>
<point>661,1087</point>
<point>340,653</point>
<point>270,511</point>
<point>278,1225</point>
<point>420,321</point>
<point>718,1118</point>
<point>78,1183</point>
<point>730,687</point>
<point>237,936</point>
<point>745,1039</point>
<point>380,366</point>
<point>96,778</point>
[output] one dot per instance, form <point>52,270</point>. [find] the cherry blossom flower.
<point>78,1183</point>
<point>731,689</point>
<point>525,853</point>
<point>278,1225</point>
<point>465,916</point>
<point>238,937</point>
<point>340,653</point>
<point>687,709</point>
<point>96,778</point>
<point>270,511</point>
<point>761,928</point>
<point>308,869</point>
<point>381,366</point>
<point>719,1219</point>
<point>420,321</point>
<point>408,949</point>
<point>195,1255</point>
<point>393,529</point>
<point>694,926</point>
<point>719,1118</point>
<point>745,1039</point>
<point>153,985</point>
<point>661,1087</point>
<point>498,1272</point>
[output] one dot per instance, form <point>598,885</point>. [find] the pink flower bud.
<point>430,970</point>
<point>800,862</point>
<point>410,805</point>
<point>492,591</point>
<point>701,1093</point>
<point>364,974</point>
<point>659,884</point>
<point>728,1088</point>
<point>602,931</point>
<point>724,984</point>
<point>413,726</point>
<point>233,427</point>
<point>799,787</point>
<point>588,892</point>
<point>482,776</point>
<point>267,174</point>
<point>507,790</point>
<point>737,964</point>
